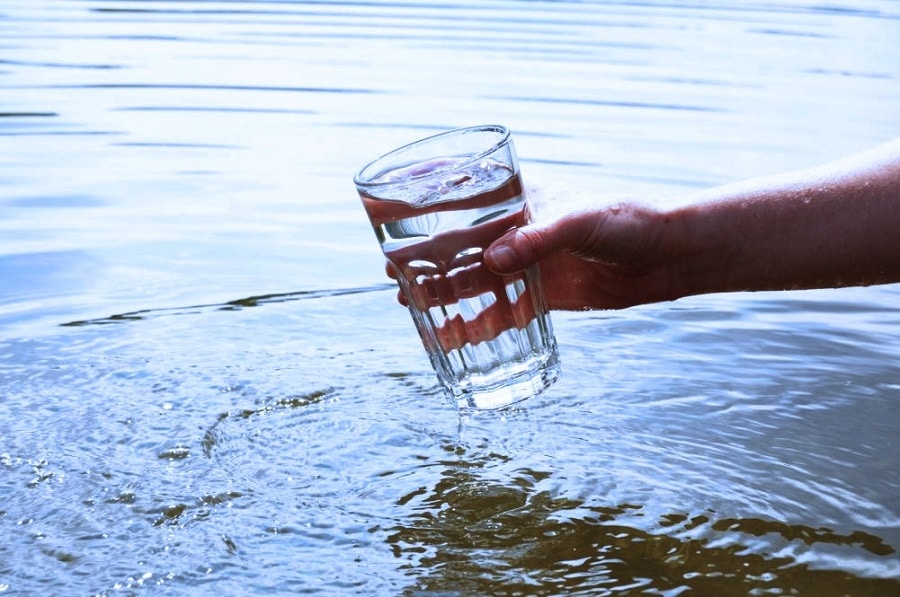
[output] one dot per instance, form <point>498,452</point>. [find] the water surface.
<point>206,384</point>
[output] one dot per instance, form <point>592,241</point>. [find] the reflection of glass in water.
<point>478,328</point>
<point>471,535</point>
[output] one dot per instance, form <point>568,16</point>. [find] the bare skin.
<point>832,226</point>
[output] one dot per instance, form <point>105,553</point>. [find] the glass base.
<point>504,388</point>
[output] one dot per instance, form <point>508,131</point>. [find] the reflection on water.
<point>472,536</point>
<point>169,165</point>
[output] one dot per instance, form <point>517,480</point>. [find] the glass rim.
<point>362,182</point>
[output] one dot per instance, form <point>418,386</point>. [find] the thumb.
<point>517,249</point>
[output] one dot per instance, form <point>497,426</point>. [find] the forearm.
<point>837,225</point>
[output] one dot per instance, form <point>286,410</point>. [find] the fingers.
<point>391,270</point>
<point>473,322</point>
<point>445,249</point>
<point>468,306</point>
<point>448,266</point>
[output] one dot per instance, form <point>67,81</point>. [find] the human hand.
<point>607,258</point>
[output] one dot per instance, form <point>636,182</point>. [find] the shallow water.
<point>206,384</point>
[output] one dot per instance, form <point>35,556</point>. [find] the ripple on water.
<point>159,430</point>
<point>671,477</point>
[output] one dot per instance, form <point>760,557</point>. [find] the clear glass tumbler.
<point>436,205</point>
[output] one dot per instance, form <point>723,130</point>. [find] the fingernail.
<point>503,256</point>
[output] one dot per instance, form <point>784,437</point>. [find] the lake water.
<point>207,387</point>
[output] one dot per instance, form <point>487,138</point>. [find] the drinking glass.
<point>436,205</point>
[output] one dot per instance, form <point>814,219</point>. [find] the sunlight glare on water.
<point>206,384</point>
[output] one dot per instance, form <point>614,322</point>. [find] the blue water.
<point>206,385</point>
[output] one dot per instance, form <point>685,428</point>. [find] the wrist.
<point>701,247</point>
